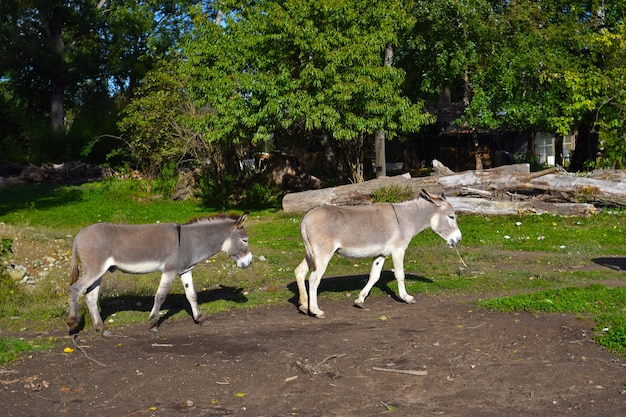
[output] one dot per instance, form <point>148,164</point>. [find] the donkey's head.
<point>236,245</point>
<point>443,220</point>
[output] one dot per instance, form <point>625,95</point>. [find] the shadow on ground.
<point>615,263</point>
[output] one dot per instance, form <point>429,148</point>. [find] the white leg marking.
<point>91,298</point>
<point>190,293</point>
<point>164,286</point>
<point>398,265</point>
<point>314,281</point>
<point>301,272</point>
<point>377,267</point>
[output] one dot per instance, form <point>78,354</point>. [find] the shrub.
<point>393,194</point>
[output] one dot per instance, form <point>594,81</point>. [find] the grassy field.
<point>513,262</point>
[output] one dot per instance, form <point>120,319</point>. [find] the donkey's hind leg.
<point>91,298</point>
<point>192,297</point>
<point>301,271</point>
<point>164,286</point>
<point>377,267</point>
<point>321,263</point>
<point>77,289</point>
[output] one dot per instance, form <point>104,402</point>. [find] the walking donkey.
<point>174,249</point>
<point>368,231</point>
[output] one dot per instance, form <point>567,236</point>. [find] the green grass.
<point>505,255</point>
<point>606,305</point>
<point>12,348</point>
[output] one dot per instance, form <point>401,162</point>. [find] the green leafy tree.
<point>440,51</point>
<point>58,58</point>
<point>545,72</point>
<point>320,63</point>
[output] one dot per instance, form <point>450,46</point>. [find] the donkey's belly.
<point>363,251</point>
<point>137,267</point>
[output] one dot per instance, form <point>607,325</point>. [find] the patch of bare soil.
<point>440,357</point>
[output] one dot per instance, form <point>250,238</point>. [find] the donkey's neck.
<point>204,238</point>
<point>414,215</point>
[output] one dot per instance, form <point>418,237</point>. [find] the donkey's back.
<point>170,248</point>
<point>352,231</point>
<point>129,248</point>
<point>369,231</point>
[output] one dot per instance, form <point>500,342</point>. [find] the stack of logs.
<point>509,189</point>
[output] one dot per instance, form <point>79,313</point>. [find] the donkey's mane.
<point>213,218</point>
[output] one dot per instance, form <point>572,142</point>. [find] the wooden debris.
<point>509,189</point>
<point>402,371</point>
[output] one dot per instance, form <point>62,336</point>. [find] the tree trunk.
<point>558,150</point>
<point>53,24</point>
<point>380,158</point>
<point>379,136</point>
<point>586,146</point>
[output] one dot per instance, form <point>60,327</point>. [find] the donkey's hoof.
<point>320,315</point>
<point>106,332</point>
<point>358,303</point>
<point>154,326</point>
<point>203,321</point>
<point>410,300</point>
<point>304,310</point>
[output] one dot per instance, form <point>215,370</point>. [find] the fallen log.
<point>510,189</point>
<point>360,193</point>
<point>470,205</point>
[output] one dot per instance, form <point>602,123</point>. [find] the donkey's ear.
<point>243,217</point>
<point>433,199</point>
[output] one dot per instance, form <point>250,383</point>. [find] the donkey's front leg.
<point>398,266</point>
<point>377,267</point>
<point>192,297</point>
<point>164,286</point>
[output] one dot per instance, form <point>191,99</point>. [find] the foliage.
<point>214,194</point>
<point>507,254</point>
<point>277,63</point>
<point>257,195</point>
<point>62,60</point>
<point>530,158</point>
<point>151,126</point>
<point>552,67</point>
<point>611,332</point>
<point>440,51</point>
<point>6,247</point>
<point>392,194</point>
<point>128,201</point>
<point>12,348</point>
<point>606,304</point>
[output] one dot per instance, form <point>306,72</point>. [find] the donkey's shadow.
<point>174,303</point>
<point>615,263</point>
<point>350,283</point>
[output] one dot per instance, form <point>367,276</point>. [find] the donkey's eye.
<point>245,240</point>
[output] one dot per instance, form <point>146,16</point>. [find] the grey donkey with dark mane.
<point>368,231</point>
<point>173,249</point>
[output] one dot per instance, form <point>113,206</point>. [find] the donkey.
<point>171,248</point>
<point>368,231</point>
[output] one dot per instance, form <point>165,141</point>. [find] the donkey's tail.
<point>73,264</point>
<point>310,257</point>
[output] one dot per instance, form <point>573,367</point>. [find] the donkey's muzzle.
<point>244,261</point>
<point>454,239</point>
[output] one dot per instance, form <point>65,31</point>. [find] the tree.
<point>56,56</point>
<point>440,51</point>
<point>276,63</point>
<point>544,73</point>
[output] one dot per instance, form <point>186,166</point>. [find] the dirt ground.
<point>276,362</point>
